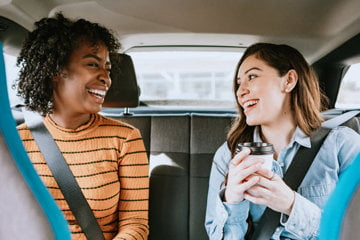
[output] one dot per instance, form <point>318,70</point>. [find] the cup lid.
<point>257,148</point>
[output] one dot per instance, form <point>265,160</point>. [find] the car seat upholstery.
<point>350,227</point>
<point>180,149</point>
<point>27,209</point>
<point>341,215</point>
<point>21,216</point>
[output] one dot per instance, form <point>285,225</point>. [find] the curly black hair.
<point>46,52</point>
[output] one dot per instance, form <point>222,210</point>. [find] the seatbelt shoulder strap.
<point>64,177</point>
<point>297,171</point>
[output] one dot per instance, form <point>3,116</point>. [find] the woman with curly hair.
<point>64,76</point>
<point>279,102</point>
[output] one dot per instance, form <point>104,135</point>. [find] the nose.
<point>242,90</point>
<point>105,77</point>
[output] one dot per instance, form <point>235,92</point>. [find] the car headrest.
<point>124,91</point>
<point>12,36</point>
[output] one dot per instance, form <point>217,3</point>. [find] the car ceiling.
<point>315,27</point>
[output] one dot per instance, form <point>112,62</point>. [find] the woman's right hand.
<point>241,176</point>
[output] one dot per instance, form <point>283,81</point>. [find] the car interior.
<point>181,135</point>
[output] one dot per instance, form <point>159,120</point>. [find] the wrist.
<point>230,198</point>
<point>292,200</point>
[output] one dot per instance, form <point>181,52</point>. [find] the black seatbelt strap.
<point>64,177</point>
<point>293,177</point>
<point>297,171</point>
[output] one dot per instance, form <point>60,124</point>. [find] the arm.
<point>338,154</point>
<point>134,189</point>
<point>224,220</point>
<point>303,222</point>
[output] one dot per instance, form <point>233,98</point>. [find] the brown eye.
<point>252,76</point>
<point>93,65</point>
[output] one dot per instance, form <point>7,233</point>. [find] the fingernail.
<point>247,150</point>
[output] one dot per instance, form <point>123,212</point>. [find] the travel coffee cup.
<point>259,150</point>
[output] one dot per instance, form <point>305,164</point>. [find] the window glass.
<point>186,78</point>
<point>349,91</point>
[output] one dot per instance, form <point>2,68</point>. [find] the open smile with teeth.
<point>250,103</point>
<point>97,93</point>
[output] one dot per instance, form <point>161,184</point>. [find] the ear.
<point>289,81</point>
<point>56,78</point>
<point>59,76</point>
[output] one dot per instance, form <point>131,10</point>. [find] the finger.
<point>250,182</point>
<point>266,173</point>
<point>250,162</point>
<point>274,177</point>
<point>258,194</point>
<point>239,157</point>
<point>235,192</point>
<point>255,200</point>
<point>258,191</point>
<point>268,183</point>
<point>239,174</point>
<point>246,169</point>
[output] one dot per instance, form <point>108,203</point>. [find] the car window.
<point>186,78</point>
<point>350,88</point>
<point>12,72</point>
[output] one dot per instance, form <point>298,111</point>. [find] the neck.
<point>70,121</point>
<point>279,134</point>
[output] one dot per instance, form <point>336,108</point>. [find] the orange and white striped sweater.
<point>109,162</point>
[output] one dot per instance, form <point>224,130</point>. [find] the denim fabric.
<point>228,221</point>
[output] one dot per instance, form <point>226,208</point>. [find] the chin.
<point>95,109</point>
<point>252,121</point>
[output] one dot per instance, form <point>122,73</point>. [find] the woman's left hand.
<point>271,191</point>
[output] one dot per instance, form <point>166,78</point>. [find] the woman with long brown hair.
<point>279,102</point>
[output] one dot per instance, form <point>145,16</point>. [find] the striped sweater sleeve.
<point>134,189</point>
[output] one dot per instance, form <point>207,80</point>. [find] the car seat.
<point>27,209</point>
<point>341,215</point>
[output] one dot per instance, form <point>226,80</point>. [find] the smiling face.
<point>263,93</point>
<point>81,87</point>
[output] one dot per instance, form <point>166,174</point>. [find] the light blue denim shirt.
<point>228,221</point>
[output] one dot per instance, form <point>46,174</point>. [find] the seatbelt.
<point>338,120</point>
<point>297,171</point>
<point>64,177</point>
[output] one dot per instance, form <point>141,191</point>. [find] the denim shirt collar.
<point>299,136</point>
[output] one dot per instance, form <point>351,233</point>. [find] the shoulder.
<point>223,150</point>
<point>345,142</point>
<point>342,133</point>
<point>114,125</point>
<point>106,121</point>
<point>343,137</point>
<point>23,131</point>
<point>222,156</point>
<point>22,126</point>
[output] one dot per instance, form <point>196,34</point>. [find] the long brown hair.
<point>307,100</point>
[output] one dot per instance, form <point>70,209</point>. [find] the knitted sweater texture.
<point>109,162</point>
